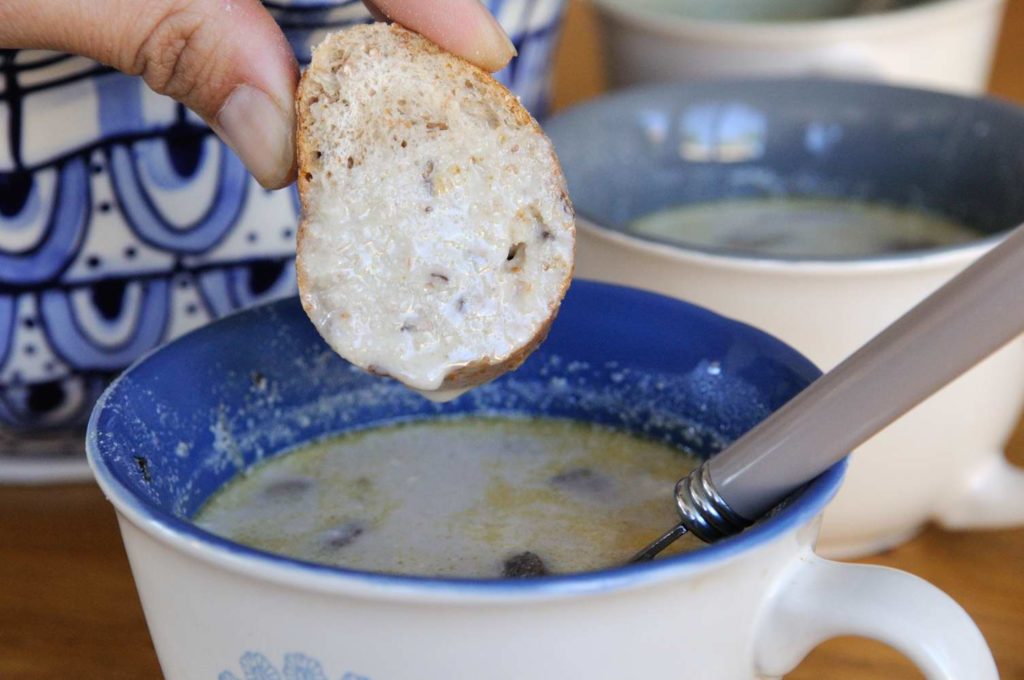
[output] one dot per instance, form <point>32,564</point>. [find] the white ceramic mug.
<point>624,156</point>
<point>940,44</point>
<point>750,606</point>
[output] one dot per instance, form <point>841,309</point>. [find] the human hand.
<point>226,59</point>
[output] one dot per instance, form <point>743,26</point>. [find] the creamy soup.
<point>470,497</point>
<point>803,227</point>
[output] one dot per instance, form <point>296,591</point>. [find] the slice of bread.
<point>437,237</point>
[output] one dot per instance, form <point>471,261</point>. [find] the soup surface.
<point>470,497</point>
<point>799,227</point>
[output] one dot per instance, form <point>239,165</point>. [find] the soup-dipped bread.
<point>437,236</point>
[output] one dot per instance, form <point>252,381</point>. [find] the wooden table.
<point>68,607</point>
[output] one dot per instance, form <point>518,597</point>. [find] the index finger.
<point>463,27</point>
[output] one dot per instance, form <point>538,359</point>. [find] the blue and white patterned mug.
<point>124,222</point>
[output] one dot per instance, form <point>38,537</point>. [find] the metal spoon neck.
<point>702,512</point>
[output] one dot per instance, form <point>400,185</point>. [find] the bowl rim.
<point>898,20</point>
<point>912,259</point>
<point>214,551</point>
<point>935,259</point>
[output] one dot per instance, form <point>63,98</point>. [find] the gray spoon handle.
<point>961,323</point>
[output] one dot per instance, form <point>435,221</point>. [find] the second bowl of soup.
<point>821,211</point>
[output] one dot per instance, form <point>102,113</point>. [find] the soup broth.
<point>471,497</point>
<point>792,227</point>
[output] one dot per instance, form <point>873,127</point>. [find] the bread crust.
<point>488,368</point>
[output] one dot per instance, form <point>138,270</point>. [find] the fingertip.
<point>280,181</point>
<point>498,49</point>
<point>495,56</point>
<point>463,27</point>
<point>261,133</point>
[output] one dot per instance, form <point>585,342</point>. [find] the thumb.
<point>225,59</point>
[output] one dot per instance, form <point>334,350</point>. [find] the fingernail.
<point>260,132</point>
<point>498,44</point>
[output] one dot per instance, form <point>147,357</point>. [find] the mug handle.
<point>819,599</point>
<point>993,498</point>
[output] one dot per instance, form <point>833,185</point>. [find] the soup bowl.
<point>940,44</point>
<point>124,222</point>
<point>188,417</point>
<point>652,148</point>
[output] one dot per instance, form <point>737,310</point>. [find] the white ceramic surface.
<point>940,44</point>
<point>943,461</point>
<point>761,611</point>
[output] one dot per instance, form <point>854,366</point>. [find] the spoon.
<point>961,323</point>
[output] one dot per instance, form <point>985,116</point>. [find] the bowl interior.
<point>185,419</point>
<point>653,148</point>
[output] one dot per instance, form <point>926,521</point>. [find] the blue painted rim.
<point>184,536</point>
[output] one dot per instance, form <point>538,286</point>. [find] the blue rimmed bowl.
<point>184,420</point>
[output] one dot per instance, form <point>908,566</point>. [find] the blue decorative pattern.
<point>85,339</point>
<point>59,228</point>
<point>135,195</point>
<point>125,222</point>
<point>227,289</point>
<point>534,28</point>
<point>256,666</point>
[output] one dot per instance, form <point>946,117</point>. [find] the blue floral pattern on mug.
<point>125,222</point>
<point>256,666</point>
